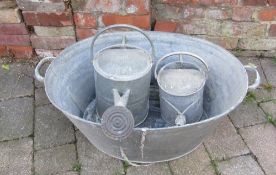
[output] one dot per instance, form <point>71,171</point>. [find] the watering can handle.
<point>38,76</point>
<point>121,26</point>
<point>180,54</point>
<point>257,80</point>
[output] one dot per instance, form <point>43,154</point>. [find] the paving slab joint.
<point>34,106</point>
<point>170,168</point>
<point>212,161</point>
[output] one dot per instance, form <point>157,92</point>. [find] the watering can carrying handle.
<point>38,76</point>
<point>121,26</point>
<point>257,80</point>
<point>180,54</point>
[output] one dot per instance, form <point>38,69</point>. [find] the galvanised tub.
<point>69,85</point>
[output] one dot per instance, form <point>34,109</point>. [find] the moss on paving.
<point>77,167</point>
<point>250,97</point>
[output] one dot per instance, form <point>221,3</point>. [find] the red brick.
<point>138,7</point>
<point>48,18</point>
<point>221,13</point>
<point>49,43</point>
<point>267,14</point>
<point>165,26</point>
<point>272,30</point>
<point>195,27</point>
<point>41,53</point>
<point>272,2</point>
<point>10,16</point>
<point>13,29</point>
<point>23,40</point>
<point>85,20</point>
<point>41,6</point>
<point>210,2</point>
<point>201,2</point>
<point>106,6</point>
<point>242,13</point>
<point>139,21</point>
<point>167,12</point>
<point>20,51</point>
<point>248,29</point>
<point>254,2</point>
<point>191,12</point>
<point>7,4</point>
<point>3,51</point>
<point>85,33</point>
<point>184,2</point>
<point>225,42</point>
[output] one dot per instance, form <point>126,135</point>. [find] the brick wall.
<point>14,36</point>
<point>237,25</point>
<point>45,27</point>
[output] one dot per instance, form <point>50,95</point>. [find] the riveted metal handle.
<point>257,80</point>
<point>38,76</point>
<point>181,58</point>
<point>124,40</point>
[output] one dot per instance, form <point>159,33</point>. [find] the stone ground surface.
<point>35,138</point>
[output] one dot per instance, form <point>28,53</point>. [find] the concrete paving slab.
<point>261,140</point>
<point>16,81</point>
<point>225,142</point>
<point>240,166</point>
<point>197,162</point>
<point>16,157</point>
<point>158,168</point>
<point>269,67</point>
<point>52,128</point>
<point>95,162</point>
<point>269,108</point>
<point>41,97</point>
<point>39,84</point>
<point>68,173</point>
<point>16,118</point>
<point>265,95</point>
<point>55,160</point>
<point>247,114</point>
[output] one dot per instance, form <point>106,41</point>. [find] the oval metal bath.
<point>69,85</point>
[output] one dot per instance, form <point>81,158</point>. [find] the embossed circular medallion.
<point>117,122</point>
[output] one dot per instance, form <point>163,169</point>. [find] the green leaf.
<point>77,167</point>
<point>252,65</point>
<point>5,67</point>
<point>250,97</point>
<point>274,60</point>
<point>270,119</point>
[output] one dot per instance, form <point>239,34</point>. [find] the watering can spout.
<point>120,100</point>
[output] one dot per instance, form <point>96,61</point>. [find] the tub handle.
<point>117,121</point>
<point>38,76</point>
<point>258,78</point>
<point>124,37</point>
<point>180,59</point>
